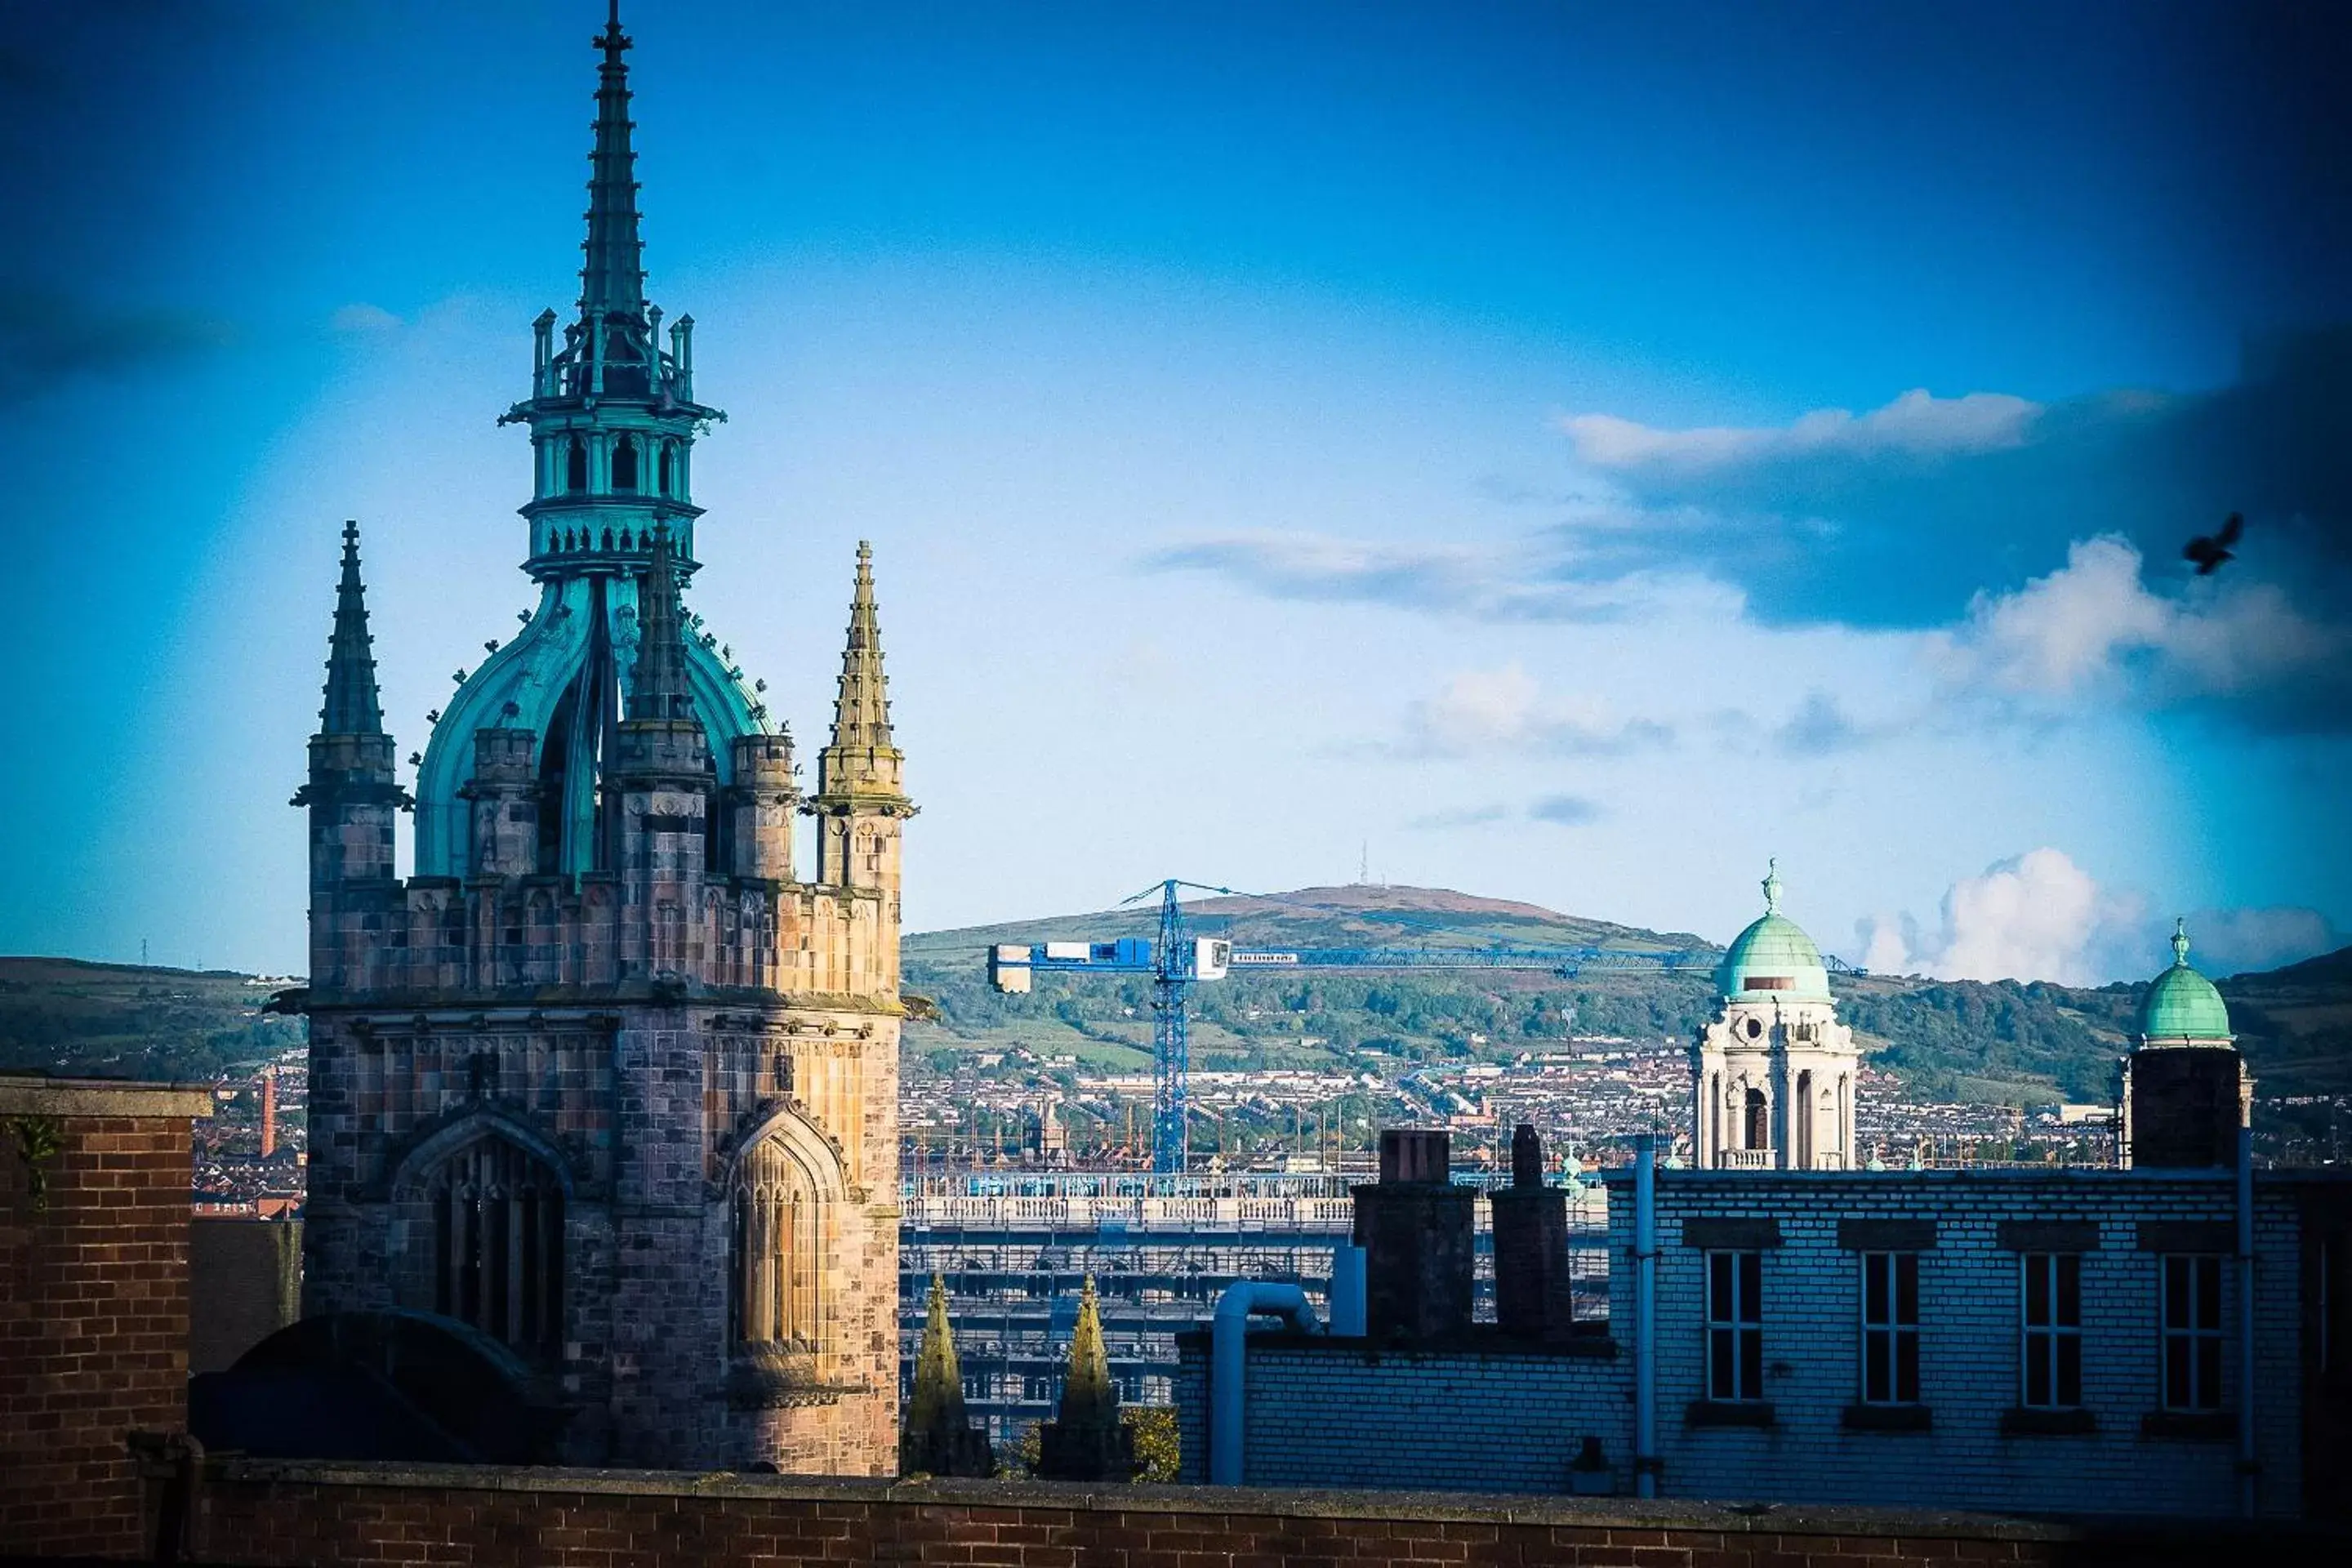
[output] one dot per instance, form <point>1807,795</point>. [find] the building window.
<point>1735,1325</point>
<point>2192,1333</point>
<point>1890,1328</point>
<point>498,1244</point>
<point>776,1286</point>
<point>624,464</point>
<point>2051,1303</point>
<point>575,466</point>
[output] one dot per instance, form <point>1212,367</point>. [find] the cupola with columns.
<point>1773,1073</point>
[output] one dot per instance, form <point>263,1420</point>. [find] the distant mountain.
<point>2022,1042</point>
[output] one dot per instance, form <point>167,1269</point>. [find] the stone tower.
<point>2186,1089</point>
<point>1772,1074</point>
<point>607,1087</point>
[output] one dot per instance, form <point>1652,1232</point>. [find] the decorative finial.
<point>2180,941</point>
<point>1772,886</point>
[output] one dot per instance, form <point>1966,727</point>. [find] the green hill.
<point>2009,1041</point>
<point>2025,1043</point>
<point>109,1020</point>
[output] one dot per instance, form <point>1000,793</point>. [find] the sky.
<point>1568,453</point>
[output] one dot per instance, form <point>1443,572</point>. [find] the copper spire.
<point>613,277</point>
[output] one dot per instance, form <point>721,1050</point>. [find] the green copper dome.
<point>2183,1004</point>
<point>1773,958</point>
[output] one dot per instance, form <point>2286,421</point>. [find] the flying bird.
<point>2209,550</point>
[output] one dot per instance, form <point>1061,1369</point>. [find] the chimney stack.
<point>268,1112</point>
<point>1532,1298</point>
<point>1415,1227</point>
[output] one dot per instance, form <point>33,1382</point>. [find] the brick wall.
<point>1968,1285</point>
<point>93,1305</point>
<point>1476,1413</point>
<point>261,1513</point>
<point>1483,1416</point>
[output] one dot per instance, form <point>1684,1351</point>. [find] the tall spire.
<point>861,712</point>
<point>1087,1441</point>
<point>1088,1398</point>
<point>937,1398</point>
<point>940,1439</point>
<point>659,691</point>
<point>351,706</point>
<point>613,277</point>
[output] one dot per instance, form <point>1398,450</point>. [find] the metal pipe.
<point>1229,1364</point>
<point>1645,1316</point>
<point>1348,1291</point>
<point>2247,1469</point>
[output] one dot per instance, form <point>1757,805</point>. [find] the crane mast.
<point>1178,960</point>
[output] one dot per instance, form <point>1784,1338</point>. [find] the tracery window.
<point>777,1295</point>
<point>498,1243</point>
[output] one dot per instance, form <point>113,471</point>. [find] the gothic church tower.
<point>607,1089</point>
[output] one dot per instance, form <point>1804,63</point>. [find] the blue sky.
<point>1575,452</point>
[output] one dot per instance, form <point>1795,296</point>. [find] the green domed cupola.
<point>1773,959</point>
<point>2182,1004</point>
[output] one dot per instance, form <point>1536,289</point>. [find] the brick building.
<point>610,1078</point>
<point>2059,1341</point>
<point>2166,1336</point>
<point>93,1302</point>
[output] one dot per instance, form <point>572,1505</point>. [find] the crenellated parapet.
<point>611,1078</point>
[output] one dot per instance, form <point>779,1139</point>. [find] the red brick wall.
<point>257,1512</point>
<point>93,1327</point>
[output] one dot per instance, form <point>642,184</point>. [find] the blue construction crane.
<point>1179,959</point>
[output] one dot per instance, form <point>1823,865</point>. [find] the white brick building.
<point>2021,1355</point>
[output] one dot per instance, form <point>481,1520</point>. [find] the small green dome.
<point>1773,958</point>
<point>2183,1004</point>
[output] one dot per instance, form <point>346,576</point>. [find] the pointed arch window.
<point>498,1243</point>
<point>575,466</point>
<point>776,1286</point>
<point>624,464</point>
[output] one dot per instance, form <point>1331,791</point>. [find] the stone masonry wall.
<point>93,1306</point>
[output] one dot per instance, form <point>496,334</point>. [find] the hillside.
<point>108,1020</point>
<point>2005,1041</point>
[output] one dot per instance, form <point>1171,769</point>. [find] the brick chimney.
<point>1415,1227</point>
<point>1531,1283</point>
<point>268,1112</point>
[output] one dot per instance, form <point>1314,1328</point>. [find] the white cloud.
<point>362,320</point>
<point>1915,425</point>
<point>2039,916</point>
<point>2094,624</point>
<point>1531,580</point>
<point>2032,917</point>
<point>1505,709</point>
